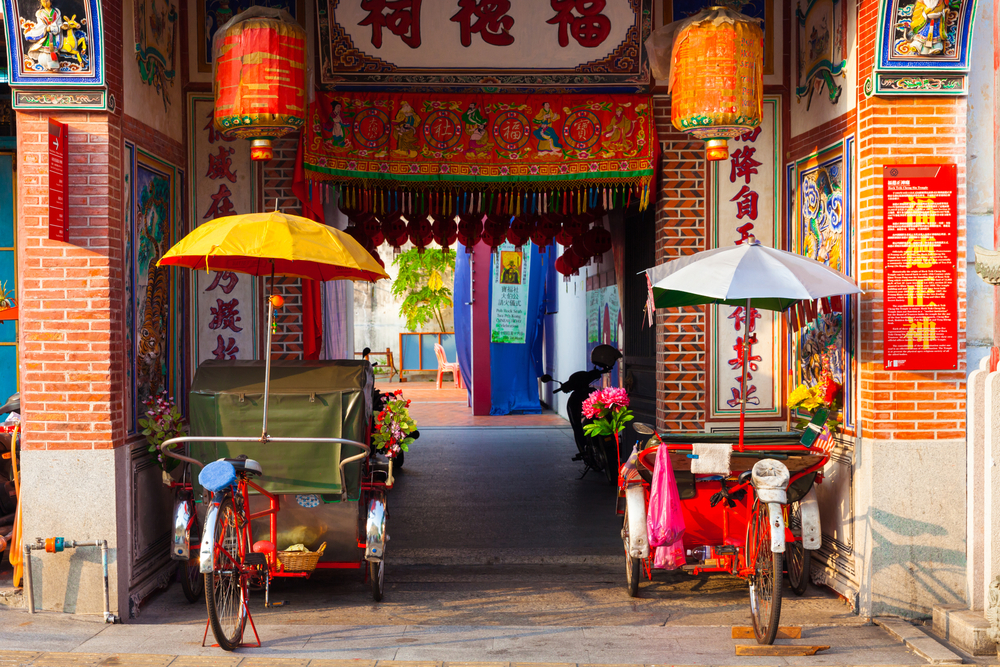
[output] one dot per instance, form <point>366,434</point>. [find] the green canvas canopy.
<point>309,399</point>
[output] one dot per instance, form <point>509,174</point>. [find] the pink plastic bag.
<point>664,521</point>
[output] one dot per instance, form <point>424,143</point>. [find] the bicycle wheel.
<point>227,586</point>
<point>376,573</point>
<point>798,560</point>
<point>765,582</point>
<point>632,565</point>
<point>192,582</point>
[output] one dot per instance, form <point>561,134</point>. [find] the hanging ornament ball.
<point>564,238</point>
<point>277,300</point>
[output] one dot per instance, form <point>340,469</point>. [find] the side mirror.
<point>546,378</point>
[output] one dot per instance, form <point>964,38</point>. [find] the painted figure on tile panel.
<point>925,25</point>
<point>56,42</point>
<point>546,133</point>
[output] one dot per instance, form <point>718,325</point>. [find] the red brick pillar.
<point>72,344</point>
<point>681,362</point>
<point>910,461</point>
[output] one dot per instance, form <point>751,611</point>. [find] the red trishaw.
<point>757,522</point>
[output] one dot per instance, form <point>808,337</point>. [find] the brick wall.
<point>276,177</point>
<point>680,230</point>
<point>71,335</point>
<point>908,130</point>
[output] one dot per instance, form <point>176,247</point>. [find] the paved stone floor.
<point>500,554</point>
<point>450,407</point>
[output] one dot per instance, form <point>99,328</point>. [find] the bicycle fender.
<point>777,521</point>
<point>638,539</point>
<point>183,512</point>
<point>375,539</point>
<point>207,556</point>
<point>812,536</point>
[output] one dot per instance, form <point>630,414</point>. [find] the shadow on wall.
<point>901,543</point>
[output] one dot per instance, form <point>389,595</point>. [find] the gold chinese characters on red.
<point>920,252</point>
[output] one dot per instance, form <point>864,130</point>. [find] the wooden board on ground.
<point>784,632</point>
<point>778,650</point>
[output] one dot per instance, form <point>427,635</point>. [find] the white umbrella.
<point>749,275</point>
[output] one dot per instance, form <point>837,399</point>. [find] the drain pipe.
<point>55,545</point>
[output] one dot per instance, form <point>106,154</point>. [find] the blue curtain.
<point>460,292</point>
<point>515,368</point>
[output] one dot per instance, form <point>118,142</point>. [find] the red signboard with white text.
<point>920,279</point>
<point>58,180</point>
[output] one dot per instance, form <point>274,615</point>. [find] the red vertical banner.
<point>58,180</point>
<point>920,279</point>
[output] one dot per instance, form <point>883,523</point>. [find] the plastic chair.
<point>445,367</point>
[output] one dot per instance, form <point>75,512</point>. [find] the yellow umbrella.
<point>263,244</point>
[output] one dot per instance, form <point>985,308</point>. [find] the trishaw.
<point>743,519</point>
<point>755,522</point>
<point>301,488</point>
<point>314,484</point>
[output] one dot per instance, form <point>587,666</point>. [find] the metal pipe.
<point>267,363</point>
<point>27,578</point>
<point>69,544</point>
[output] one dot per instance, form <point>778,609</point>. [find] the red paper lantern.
<point>597,241</point>
<point>574,257</point>
<point>563,267</point>
<point>541,240</point>
<point>496,226</point>
<point>394,230</point>
<point>576,225</point>
<point>519,232</point>
<point>420,232</point>
<point>367,222</point>
<point>260,68</point>
<point>445,231</point>
<point>548,226</point>
<point>564,238</point>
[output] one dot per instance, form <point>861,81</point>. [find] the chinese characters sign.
<point>509,311</point>
<point>58,180</point>
<point>745,197</point>
<point>221,186</point>
<point>583,43</point>
<point>920,251</point>
<point>480,138</point>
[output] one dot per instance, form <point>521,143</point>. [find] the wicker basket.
<point>300,561</point>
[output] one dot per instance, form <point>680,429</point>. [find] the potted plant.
<point>608,413</point>
<point>162,422</point>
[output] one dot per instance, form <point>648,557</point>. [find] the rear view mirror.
<point>546,378</point>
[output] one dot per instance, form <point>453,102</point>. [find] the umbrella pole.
<point>743,377</point>
<point>267,352</point>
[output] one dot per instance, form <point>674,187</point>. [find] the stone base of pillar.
<point>968,630</point>
<point>79,495</point>
<point>909,525</point>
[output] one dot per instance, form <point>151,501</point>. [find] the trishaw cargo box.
<point>308,399</point>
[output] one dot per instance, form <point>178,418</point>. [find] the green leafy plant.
<point>162,422</point>
<point>422,283</point>
<point>393,426</point>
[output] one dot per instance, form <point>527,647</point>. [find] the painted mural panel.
<point>824,61</point>
<point>54,42</point>
<point>225,314</point>
<point>821,230</point>
<point>604,325</point>
<point>154,214</point>
<point>128,195</point>
<point>582,44</point>
<point>745,198</point>
<point>924,47</point>
<point>155,26</point>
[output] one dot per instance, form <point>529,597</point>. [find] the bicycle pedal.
<point>255,559</point>
<point>280,603</point>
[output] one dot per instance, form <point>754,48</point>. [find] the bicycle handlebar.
<point>366,449</point>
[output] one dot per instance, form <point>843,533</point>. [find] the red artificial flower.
<point>830,390</point>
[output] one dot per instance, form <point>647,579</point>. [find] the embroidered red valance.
<point>476,142</point>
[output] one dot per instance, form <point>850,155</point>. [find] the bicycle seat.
<point>249,466</point>
<point>217,475</point>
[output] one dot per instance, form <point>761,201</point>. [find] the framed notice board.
<point>919,274</point>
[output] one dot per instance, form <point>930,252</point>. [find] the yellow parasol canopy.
<point>262,244</point>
